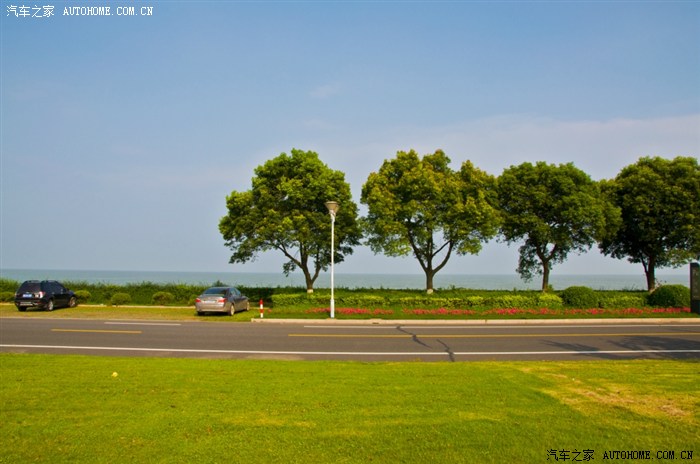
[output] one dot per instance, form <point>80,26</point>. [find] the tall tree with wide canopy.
<point>660,204</point>
<point>423,207</point>
<point>555,210</point>
<point>285,211</point>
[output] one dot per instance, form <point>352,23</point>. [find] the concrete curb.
<point>394,322</point>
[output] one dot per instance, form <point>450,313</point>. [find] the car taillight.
<point>41,294</point>
<point>197,300</point>
<point>222,300</point>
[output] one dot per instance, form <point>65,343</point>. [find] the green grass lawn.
<point>58,409</point>
<point>121,312</point>
<point>188,313</point>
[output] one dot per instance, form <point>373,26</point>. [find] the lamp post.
<point>332,209</point>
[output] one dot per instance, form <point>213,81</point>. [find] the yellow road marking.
<point>98,331</point>
<point>649,334</point>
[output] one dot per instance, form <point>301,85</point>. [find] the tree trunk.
<point>650,272</point>
<point>309,281</point>
<point>545,276</point>
<point>651,277</point>
<point>429,274</point>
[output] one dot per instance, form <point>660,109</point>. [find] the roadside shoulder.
<point>669,321</point>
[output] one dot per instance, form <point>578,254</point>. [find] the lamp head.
<point>333,207</point>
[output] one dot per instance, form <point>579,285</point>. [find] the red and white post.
<point>262,310</point>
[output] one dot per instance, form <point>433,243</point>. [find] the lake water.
<point>396,281</point>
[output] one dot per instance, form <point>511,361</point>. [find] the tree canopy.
<point>659,201</point>
<point>555,210</point>
<point>285,211</point>
<point>420,206</point>
<point>423,207</point>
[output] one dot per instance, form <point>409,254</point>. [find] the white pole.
<point>332,208</point>
<point>332,264</point>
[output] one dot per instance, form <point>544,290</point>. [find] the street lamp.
<point>332,209</point>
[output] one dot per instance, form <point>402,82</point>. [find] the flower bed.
<point>353,311</point>
<point>517,312</point>
<point>546,312</point>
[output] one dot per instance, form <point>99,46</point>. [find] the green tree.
<point>285,211</point>
<point>660,204</point>
<point>422,206</point>
<point>555,210</point>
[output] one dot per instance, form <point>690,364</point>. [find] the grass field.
<point>122,312</point>
<point>61,409</point>
<point>188,313</point>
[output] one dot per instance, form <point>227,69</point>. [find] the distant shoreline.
<point>349,280</point>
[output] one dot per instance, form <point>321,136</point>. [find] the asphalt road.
<point>362,341</point>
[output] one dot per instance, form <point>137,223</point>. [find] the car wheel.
<point>73,302</point>
<point>231,310</point>
<point>49,305</point>
<point>21,308</point>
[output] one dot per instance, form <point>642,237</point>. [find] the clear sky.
<point>123,135</point>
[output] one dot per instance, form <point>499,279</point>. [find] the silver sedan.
<point>221,300</point>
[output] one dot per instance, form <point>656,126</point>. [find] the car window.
<point>29,287</point>
<point>54,287</point>
<point>215,291</point>
<point>235,292</point>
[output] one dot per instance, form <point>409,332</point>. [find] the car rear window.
<point>215,291</point>
<point>29,287</point>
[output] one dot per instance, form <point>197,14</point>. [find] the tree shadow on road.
<point>647,347</point>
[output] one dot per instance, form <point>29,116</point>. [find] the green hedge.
<point>147,293</point>
<point>83,296</point>
<point>120,299</point>
<point>670,296</point>
<point>533,300</point>
<point>580,297</point>
<point>163,298</point>
<point>622,301</point>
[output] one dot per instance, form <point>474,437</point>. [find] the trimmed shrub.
<point>622,301</point>
<point>473,301</point>
<point>511,301</point>
<point>285,300</point>
<point>7,296</point>
<point>163,298</point>
<point>83,296</point>
<point>549,301</point>
<point>7,285</point>
<point>580,297</point>
<point>119,299</point>
<point>670,296</point>
<point>352,300</point>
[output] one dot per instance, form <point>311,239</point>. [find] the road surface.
<point>361,341</point>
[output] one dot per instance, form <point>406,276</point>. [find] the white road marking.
<point>186,350</point>
<point>144,323</point>
<point>351,353</point>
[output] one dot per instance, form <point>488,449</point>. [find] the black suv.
<point>47,294</point>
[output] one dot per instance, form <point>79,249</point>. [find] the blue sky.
<point>122,135</point>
